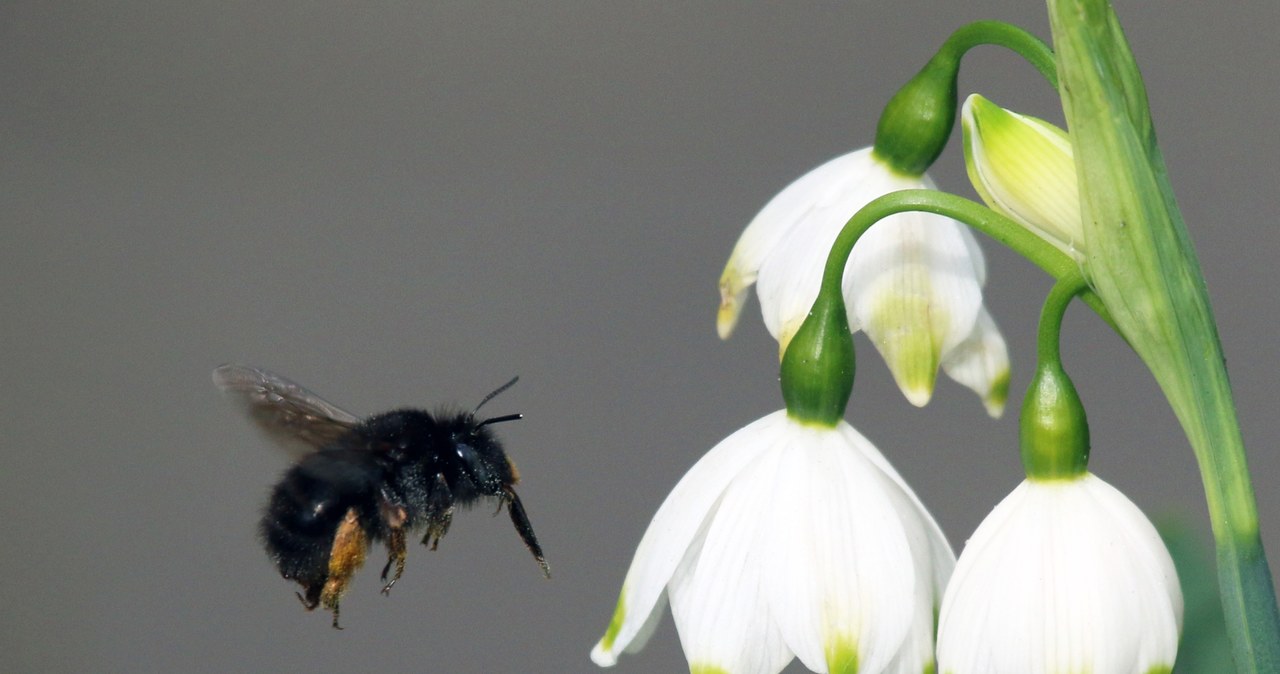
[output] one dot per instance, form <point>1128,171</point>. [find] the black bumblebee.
<point>373,479</point>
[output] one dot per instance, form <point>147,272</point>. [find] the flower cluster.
<point>794,538</point>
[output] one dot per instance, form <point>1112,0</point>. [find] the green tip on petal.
<point>733,295</point>
<point>930,668</point>
<point>615,623</point>
<point>1160,669</point>
<point>997,395</point>
<point>842,655</point>
<point>912,354</point>
<point>704,668</point>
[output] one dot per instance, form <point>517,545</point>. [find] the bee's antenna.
<point>498,420</point>
<point>496,391</point>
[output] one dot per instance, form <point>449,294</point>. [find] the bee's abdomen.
<point>309,504</point>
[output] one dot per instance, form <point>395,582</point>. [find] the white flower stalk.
<point>788,540</point>
<point>913,282</point>
<point>1024,168</point>
<point>1063,576</point>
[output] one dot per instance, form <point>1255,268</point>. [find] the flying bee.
<point>374,479</point>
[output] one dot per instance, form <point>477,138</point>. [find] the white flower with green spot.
<point>1065,575</point>
<point>1024,168</point>
<point>913,282</point>
<point>785,541</point>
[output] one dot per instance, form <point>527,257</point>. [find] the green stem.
<point>1048,336</point>
<point>989,222</point>
<point>1002,34</point>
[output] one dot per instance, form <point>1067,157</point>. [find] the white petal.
<point>790,274</point>
<point>788,208</point>
<point>932,555</point>
<point>981,363</point>
<point>1150,559</point>
<point>716,595</point>
<point>672,532</point>
<point>839,556</point>
<point>915,289</point>
<point>1063,576</point>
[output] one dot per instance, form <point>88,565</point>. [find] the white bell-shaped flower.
<point>788,540</point>
<point>1064,575</point>
<point>913,282</point>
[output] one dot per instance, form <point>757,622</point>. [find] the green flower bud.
<point>1023,168</point>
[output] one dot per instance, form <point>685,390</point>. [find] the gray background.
<point>407,203</point>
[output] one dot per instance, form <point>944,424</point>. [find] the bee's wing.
<point>290,414</point>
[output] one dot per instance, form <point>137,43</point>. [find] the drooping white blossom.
<point>913,281</point>
<point>1063,575</point>
<point>788,540</point>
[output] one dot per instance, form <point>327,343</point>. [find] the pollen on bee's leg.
<point>515,474</point>
<point>350,545</point>
<point>437,527</point>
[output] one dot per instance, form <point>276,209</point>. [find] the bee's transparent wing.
<point>289,414</point>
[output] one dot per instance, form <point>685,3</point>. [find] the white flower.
<point>1024,168</point>
<point>1063,576</point>
<point>788,540</point>
<point>913,282</point>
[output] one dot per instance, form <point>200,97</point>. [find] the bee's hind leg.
<point>395,517</point>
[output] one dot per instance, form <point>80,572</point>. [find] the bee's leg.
<point>394,516</point>
<point>439,512</point>
<point>521,520</point>
<point>396,554</point>
<point>350,544</point>
<point>312,598</point>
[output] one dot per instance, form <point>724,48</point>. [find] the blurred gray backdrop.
<point>407,203</point>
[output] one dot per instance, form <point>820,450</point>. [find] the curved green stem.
<point>1002,34</point>
<point>1048,335</point>
<point>914,126</point>
<point>994,225</point>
